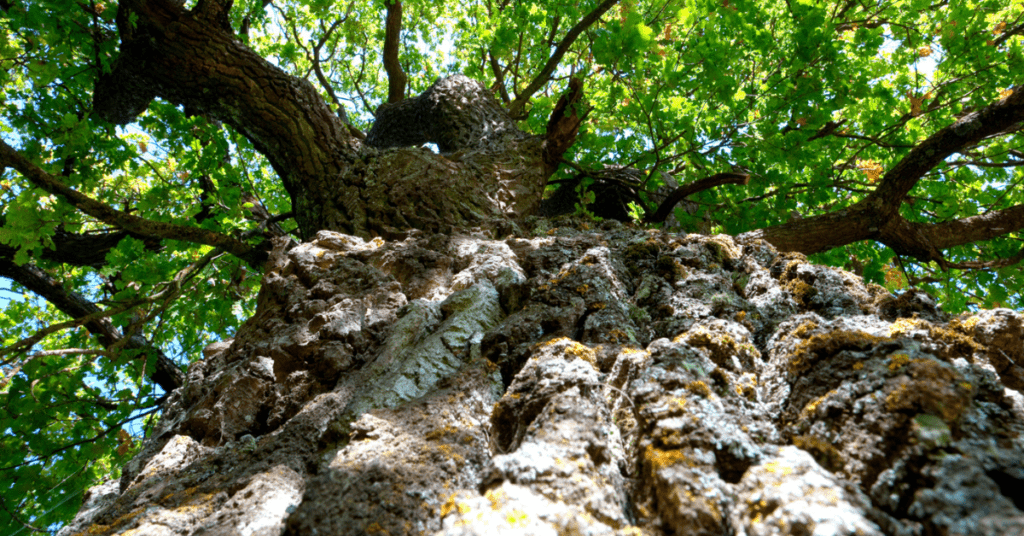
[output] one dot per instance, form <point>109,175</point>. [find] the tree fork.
<point>336,181</point>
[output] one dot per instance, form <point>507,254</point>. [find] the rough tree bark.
<point>609,382</point>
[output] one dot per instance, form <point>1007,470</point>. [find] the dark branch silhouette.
<point>392,39</point>
<point>166,374</point>
<point>677,195</point>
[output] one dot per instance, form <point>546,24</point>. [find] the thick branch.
<point>976,228</point>
<point>683,192</point>
<point>123,220</point>
<point>171,54</point>
<point>75,249</point>
<point>819,233</point>
<point>392,39</point>
<point>992,120</point>
<point>516,108</point>
<point>499,78</point>
<point>564,123</point>
<point>877,217</point>
<point>217,12</point>
<point>167,374</point>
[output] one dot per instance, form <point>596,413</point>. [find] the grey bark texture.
<point>583,381</point>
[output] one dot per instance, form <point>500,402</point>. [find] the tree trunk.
<point>612,382</point>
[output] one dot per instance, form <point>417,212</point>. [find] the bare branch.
<point>70,351</point>
<point>324,82</point>
<point>987,265</point>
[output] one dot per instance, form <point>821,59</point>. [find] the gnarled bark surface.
<point>612,382</point>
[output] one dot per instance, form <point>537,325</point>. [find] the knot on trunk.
<point>455,113</point>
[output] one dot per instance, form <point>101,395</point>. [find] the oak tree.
<point>152,149</point>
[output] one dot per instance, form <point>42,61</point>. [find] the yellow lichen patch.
<point>702,504</point>
<point>956,337</point>
<point>635,351</point>
<point>376,528</point>
<point>746,386</point>
<point>898,361</point>
<point>789,272</point>
<point>452,505</point>
<point>721,345</point>
<point>516,518</point>
<point>657,459</point>
<point>961,345</point>
<point>677,405</point>
<point>440,433</point>
<point>97,529</point>
<point>823,451</point>
<point>448,452</point>
<point>803,330</point>
<point>812,406</point>
<point>858,365</point>
<point>572,349</point>
<point>617,335</point>
<point>497,497</point>
<point>800,290</point>
<point>896,400</point>
<point>777,468</point>
<point>827,344</point>
<point>698,387</point>
<point>740,316</point>
<point>902,327</point>
<point>761,509</point>
<point>726,248</point>
<point>201,504</point>
<point>965,326</point>
<point>580,351</point>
